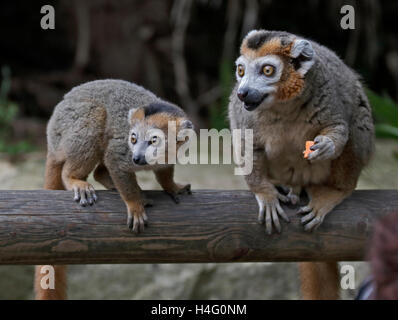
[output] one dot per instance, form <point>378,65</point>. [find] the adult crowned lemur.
<point>290,90</point>
<point>111,127</point>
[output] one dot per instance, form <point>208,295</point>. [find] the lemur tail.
<point>53,181</point>
<point>319,280</point>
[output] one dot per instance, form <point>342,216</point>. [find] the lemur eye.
<point>268,70</point>
<point>153,140</point>
<point>133,138</point>
<point>241,70</point>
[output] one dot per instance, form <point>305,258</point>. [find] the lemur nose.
<point>137,159</point>
<point>242,94</point>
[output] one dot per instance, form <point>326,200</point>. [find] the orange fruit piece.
<point>307,151</point>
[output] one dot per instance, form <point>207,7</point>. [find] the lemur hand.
<point>269,209</point>
<point>323,149</point>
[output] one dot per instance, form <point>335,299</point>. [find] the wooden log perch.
<point>48,227</point>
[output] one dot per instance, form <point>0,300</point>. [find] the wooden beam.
<point>48,227</point>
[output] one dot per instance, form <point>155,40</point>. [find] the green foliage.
<point>8,112</point>
<point>385,112</point>
<point>15,148</point>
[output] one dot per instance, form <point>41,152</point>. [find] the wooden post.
<point>48,227</point>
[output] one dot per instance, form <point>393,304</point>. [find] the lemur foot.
<point>313,216</point>
<point>289,194</point>
<point>136,217</point>
<point>84,193</point>
<point>269,209</point>
<point>179,189</point>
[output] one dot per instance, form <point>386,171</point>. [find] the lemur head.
<point>271,67</point>
<point>152,127</point>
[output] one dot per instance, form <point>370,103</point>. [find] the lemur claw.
<point>174,197</point>
<point>137,223</point>
<point>311,220</point>
<point>84,193</point>
<point>323,149</point>
<point>269,212</point>
<point>283,198</point>
<point>288,195</point>
<point>181,190</point>
<point>186,188</point>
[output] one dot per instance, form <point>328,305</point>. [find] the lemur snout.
<point>251,97</point>
<point>242,93</point>
<point>139,159</point>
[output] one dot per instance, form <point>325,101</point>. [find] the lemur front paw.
<point>178,189</point>
<point>323,149</point>
<point>136,217</point>
<point>313,216</point>
<point>84,193</point>
<point>270,209</point>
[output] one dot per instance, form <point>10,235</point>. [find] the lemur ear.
<point>303,54</point>
<point>136,114</point>
<point>186,124</point>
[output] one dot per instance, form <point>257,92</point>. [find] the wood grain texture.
<point>47,227</point>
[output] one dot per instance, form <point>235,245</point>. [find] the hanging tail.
<point>319,280</point>
<point>53,181</point>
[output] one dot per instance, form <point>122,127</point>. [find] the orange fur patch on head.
<point>273,46</point>
<point>160,120</point>
<point>291,82</point>
<point>138,114</point>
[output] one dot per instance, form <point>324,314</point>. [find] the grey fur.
<point>332,109</point>
<point>90,129</point>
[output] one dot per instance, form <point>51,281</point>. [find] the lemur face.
<point>272,67</point>
<point>152,128</point>
<point>145,139</point>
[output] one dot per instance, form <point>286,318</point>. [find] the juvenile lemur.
<point>291,90</point>
<point>110,126</point>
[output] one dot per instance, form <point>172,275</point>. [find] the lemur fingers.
<point>184,189</point>
<point>174,196</point>
<point>84,193</point>
<point>313,218</point>
<point>323,149</point>
<point>269,212</point>
<point>283,198</point>
<point>179,189</point>
<point>289,194</point>
<point>136,218</point>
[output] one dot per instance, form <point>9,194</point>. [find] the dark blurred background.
<point>184,51</point>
